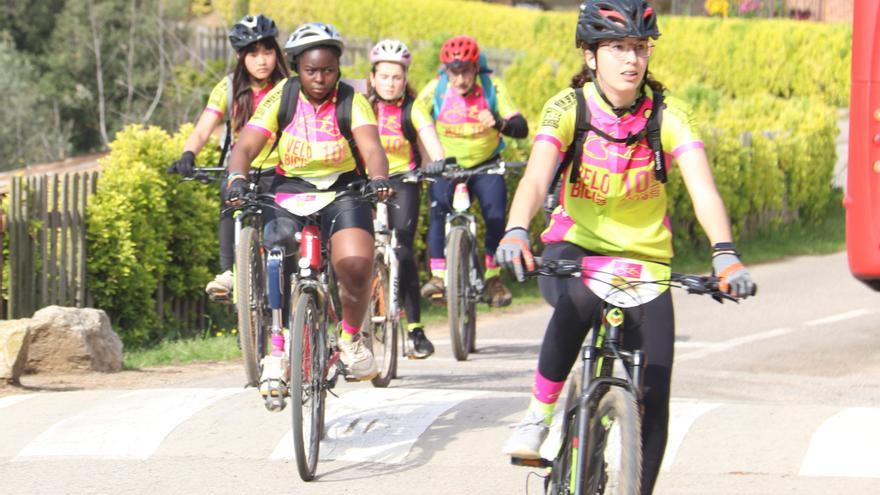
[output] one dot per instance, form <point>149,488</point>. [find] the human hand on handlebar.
<point>236,187</point>
<point>734,279</point>
<point>185,166</point>
<point>513,250</point>
<point>381,187</point>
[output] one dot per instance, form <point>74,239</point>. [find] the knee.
<point>354,272</point>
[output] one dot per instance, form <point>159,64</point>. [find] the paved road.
<point>776,395</point>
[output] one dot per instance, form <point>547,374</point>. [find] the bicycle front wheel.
<point>615,445</point>
<point>308,358</point>
<point>459,301</point>
<point>380,325</point>
<point>249,301</point>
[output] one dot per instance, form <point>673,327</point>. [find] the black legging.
<point>649,327</point>
<point>226,226</point>
<point>403,215</point>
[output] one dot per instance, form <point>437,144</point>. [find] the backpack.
<point>227,138</point>
<point>583,125</point>
<point>409,129</point>
<point>488,92</point>
<point>344,99</point>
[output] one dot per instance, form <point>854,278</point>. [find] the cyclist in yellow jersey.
<point>471,111</point>
<point>614,206</point>
<point>259,67</point>
<point>315,156</point>
<point>392,99</point>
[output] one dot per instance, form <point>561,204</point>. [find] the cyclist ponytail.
<point>242,95</point>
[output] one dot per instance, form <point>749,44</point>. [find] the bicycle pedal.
<point>532,463</point>
<point>275,404</point>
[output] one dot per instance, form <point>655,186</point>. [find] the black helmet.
<point>251,29</point>
<point>615,19</point>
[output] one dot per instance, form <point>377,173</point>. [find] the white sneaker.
<point>527,437</point>
<point>221,286</point>
<point>358,359</point>
<point>273,380</point>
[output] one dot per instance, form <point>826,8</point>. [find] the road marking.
<point>847,444</point>
<point>482,342</point>
<point>733,343</point>
<point>839,317</point>
<point>12,399</point>
<point>127,426</point>
<point>683,414</point>
<point>378,425</point>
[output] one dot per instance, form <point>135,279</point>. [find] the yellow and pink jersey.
<point>401,157</point>
<point>311,146</point>
<point>217,103</point>
<point>458,127</point>
<point>617,207</point>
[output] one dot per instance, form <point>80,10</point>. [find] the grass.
<point>823,237</point>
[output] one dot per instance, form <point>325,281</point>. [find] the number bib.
<point>304,204</point>
<point>624,282</point>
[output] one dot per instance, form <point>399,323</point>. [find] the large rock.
<point>73,339</point>
<point>13,348</point>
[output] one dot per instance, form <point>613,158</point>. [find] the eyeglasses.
<point>620,49</point>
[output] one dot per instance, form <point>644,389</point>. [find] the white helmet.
<point>391,51</point>
<point>310,35</point>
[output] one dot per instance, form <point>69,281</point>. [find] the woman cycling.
<point>315,155</point>
<point>614,206</point>
<point>259,67</point>
<point>470,120</point>
<point>405,138</point>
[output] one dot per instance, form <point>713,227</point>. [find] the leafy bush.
<point>148,230</point>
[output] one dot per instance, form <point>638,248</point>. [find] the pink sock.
<point>278,344</point>
<point>545,390</point>
<point>490,262</point>
<point>438,263</point>
<point>349,328</point>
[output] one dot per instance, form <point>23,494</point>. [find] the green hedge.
<point>147,229</point>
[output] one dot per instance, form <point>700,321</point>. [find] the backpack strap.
<point>409,129</point>
<point>287,107</point>
<point>344,103</point>
<point>227,139</point>
<point>440,93</point>
<point>582,127</point>
<point>655,121</point>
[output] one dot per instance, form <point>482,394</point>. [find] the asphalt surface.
<point>779,394</point>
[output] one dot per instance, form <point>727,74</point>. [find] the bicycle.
<point>248,294</point>
<point>383,313</point>
<point>312,346</point>
<point>601,409</point>
<point>464,274</point>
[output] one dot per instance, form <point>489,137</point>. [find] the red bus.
<point>862,199</point>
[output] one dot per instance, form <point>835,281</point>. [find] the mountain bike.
<point>315,309</point>
<point>249,291</point>
<point>601,410</point>
<point>464,273</point>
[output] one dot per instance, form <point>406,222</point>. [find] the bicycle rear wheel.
<point>308,359</point>
<point>249,296</point>
<point>381,325</point>
<point>615,445</point>
<point>459,301</point>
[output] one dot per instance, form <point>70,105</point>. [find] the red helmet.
<point>460,50</point>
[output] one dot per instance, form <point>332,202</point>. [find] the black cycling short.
<point>351,212</point>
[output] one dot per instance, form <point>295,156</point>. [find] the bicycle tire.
<point>559,482</point>
<point>249,302</point>
<point>308,357</point>
<point>619,408</point>
<point>380,325</point>
<point>460,305</point>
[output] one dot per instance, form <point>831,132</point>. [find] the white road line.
<point>12,399</point>
<point>378,425</point>
<point>682,415</point>
<point>847,444</point>
<point>128,426</point>
<point>485,342</point>
<point>733,343</point>
<point>839,317</point>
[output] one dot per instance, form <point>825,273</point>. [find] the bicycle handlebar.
<point>454,171</point>
<point>693,284</point>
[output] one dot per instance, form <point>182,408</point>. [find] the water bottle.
<point>310,246</point>
<point>461,200</point>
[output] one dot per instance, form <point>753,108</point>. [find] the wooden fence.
<point>47,242</point>
<point>47,264</point>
